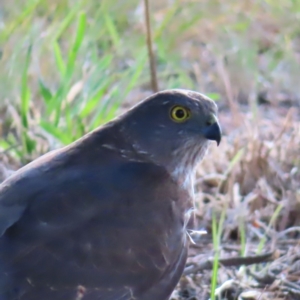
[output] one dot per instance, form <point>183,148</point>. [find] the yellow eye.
<point>180,114</point>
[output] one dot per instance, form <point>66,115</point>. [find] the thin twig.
<point>282,234</point>
<point>152,64</point>
<point>207,264</point>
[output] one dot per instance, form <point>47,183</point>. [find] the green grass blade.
<point>56,132</point>
<point>62,91</point>
<point>217,229</point>
<point>45,92</point>
<point>214,278</point>
<point>25,91</point>
<point>112,30</point>
<point>76,45</point>
<point>26,13</point>
<point>59,59</point>
<point>140,66</point>
<point>271,223</point>
<point>66,21</point>
<point>94,100</point>
<point>242,231</point>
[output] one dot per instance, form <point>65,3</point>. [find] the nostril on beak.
<point>209,123</point>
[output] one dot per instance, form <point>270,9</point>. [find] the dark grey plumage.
<point>106,217</point>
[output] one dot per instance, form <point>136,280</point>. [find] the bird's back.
<point>85,231</point>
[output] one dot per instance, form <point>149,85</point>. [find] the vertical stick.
<point>152,64</point>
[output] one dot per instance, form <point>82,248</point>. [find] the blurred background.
<point>68,66</point>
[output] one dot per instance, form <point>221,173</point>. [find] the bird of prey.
<point>106,217</point>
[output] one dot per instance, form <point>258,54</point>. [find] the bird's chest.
<point>185,183</point>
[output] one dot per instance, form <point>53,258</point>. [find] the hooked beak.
<point>213,131</point>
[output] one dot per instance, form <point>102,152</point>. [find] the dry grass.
<point>246,55</point>
<point>254,176</point>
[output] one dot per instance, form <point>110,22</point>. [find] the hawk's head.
<point>172,128</point>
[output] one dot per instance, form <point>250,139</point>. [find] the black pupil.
<point>180,113</point>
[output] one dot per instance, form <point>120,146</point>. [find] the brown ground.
<point>254,178</point>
